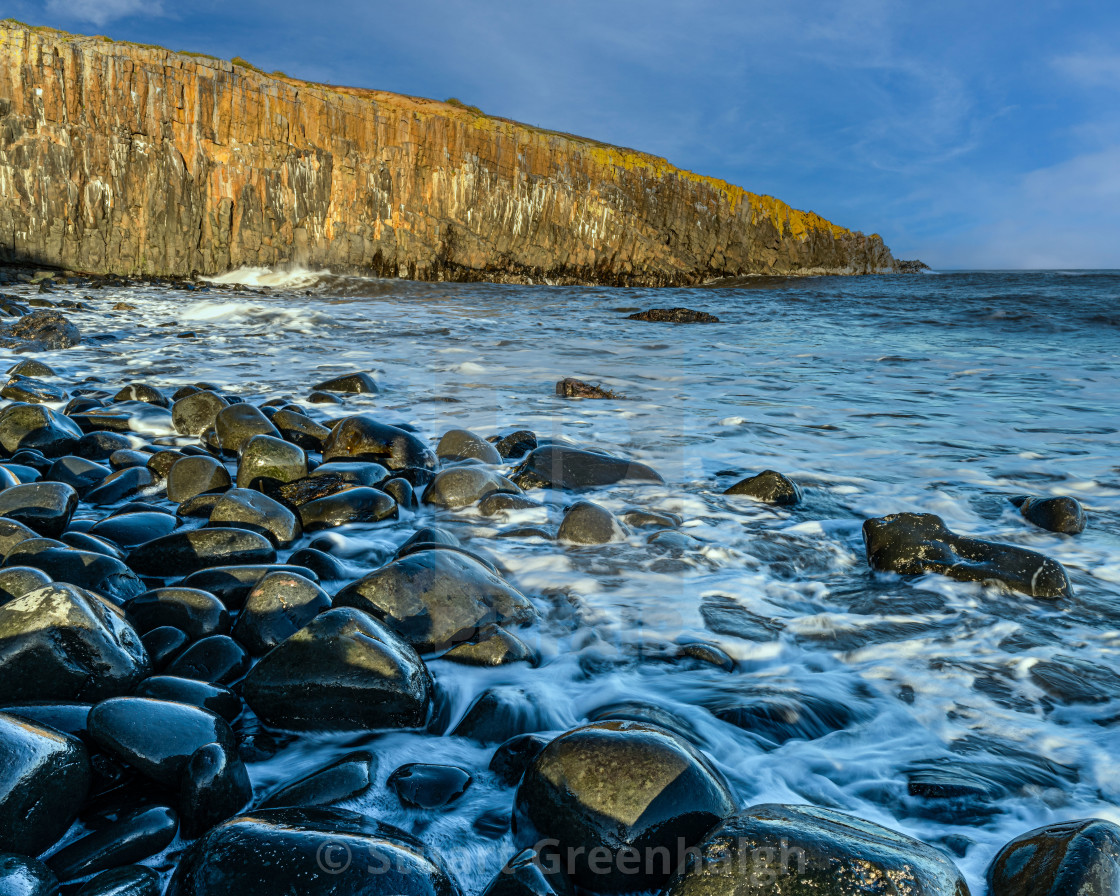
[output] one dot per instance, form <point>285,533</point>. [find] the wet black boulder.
<point>191,610</point>
<point>193,476</point>
<point>127,880</point>
<point>38,427</point>
<point>1069,858</point>
<point>353,383</point>
<point>244,508</point>
<point>352,505</point>
<point>44,780</point>
<point>1061,514</point>
<point>462,486</point>
<point>769,487</point>
<point>460,444</point>
<point>363,438</point>
<point>419,785</point>
<point>280,605</point>
<point>195,413</point>
<point>136,835</point>
<point>917,543</point>
<point>46,331</point>
<point>557,466</point>
<point>62,643</point>
<point>342,671</point>
<point>185,552</point>
<point>156,737</point>
<point>104,575</point>
<point>611,793</point>
<point>806,851</point>
<point>45,507</point>
<point>346,778</point>
<point>315,852</point>
<point>587,523</point>
<point>25,876</point>
<point>215,787</point>
<point>530,873</point>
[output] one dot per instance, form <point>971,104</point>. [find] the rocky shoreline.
<point>173,609</point>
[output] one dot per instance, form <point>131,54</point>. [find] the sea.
<point>947,393</point>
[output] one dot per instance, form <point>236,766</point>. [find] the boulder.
<point>270,459</point>
<point>63,643</point>
<point>918,543</point>
<point>313,852</point>
<point>194,476</point>
<point>215,787</point>
<point>419,785</point>
<point>557,466</point>
<point>805,851</point>
<point>34,426</point>
<point>195,413</point>
<point>493,646</point>
<point>1061,514</point>
<point>463,486</point>
<point>46,331</point>
<point>156,737</point>
<point>16,581</point>
<point>363,438</point>
<point>516,444</point>
<point>237,424</point>
<point>570,387</point>
<point>99,573</point>
<point>44,780</point>
<point>301,430</point>
<point>347,778</point>
<point>460,444</point>
<point>45,507</point>
<point>278,606</point>
<point>588,523</point>
<point>352,505</point>
<point>674,316</point>
<point>530,873</point>
<point>244,508</point>
<point>127,880</point>
<point>353,383</point>
<point>1068,858</point>
<point>184,552</point>
<point>134,836</point>
<point>193,611</point>
<point>25,876</point>
<point>217,659</point>
<point>342,671</point>
<point>435,599</point>
<point>215,698</point>
<point>769,487</point>
<point>613,794</point>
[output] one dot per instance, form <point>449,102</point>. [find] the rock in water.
<point>805,851</point>
<point>611,794</point>
<point>342,671</point>
<point>460,444</point>
<point>363,438</point>
<point>194,476</point>
<point>135,836</point>
<point>46,331</point>
<point>675,316</point>
<point>1071,858</point>
<point>63,643</point>
<point>570,387</point>
<point>45,507</point>
<point>353,383</point>
<point>588,523</point>
<point>1062,514</point>
<point>435,599</point>
<point>313,852</point>
<point>185,552</point>
<point>244,508</point>
<point>422,786</point>
<point>44,780</point>
<point>25,876</point>
<point>280,605</point>
<point>195,413</point>
<point>917,543</point>
<point>555,466</point>
<point>344,779</point>
<point>463,486</point>
<point>38,427</point>
<point>215,787</point>
<point>770,487</point>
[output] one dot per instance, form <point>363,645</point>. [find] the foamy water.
<point>946,394</point>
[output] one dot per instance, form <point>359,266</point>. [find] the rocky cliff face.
<point>117,158</point>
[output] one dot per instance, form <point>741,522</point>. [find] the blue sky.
<point>968,134</point>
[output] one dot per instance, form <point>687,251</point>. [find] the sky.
<point>979,134</point>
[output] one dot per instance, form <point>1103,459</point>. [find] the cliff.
<point>128,159</point>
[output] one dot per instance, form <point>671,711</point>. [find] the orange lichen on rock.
<point>122,158</point>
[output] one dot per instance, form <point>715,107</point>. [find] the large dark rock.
<point>244,508</point>
<point>460,444</point>
<point>280,605</point>
<point>556,466</point>
<point>215,787</point>
<point>435,599</point>
<point>493,646</point>
<point>156,737</point>
<point>1061,514</point>
<point>217,659</point>
<point>419,785</point>
<point>342,671</point>
<point>195,612</point>
<point>63,643</point>
<point>193,476</point>
<point>195,413</point>
<point>588,523</point>
<point>122,484</point>
<point>232,584</point>
<point>131,529</point>
<point>16,581</point>
<point>137,835</point>
<point>106,576</point>
<point>353,383</point>
<point>313,852</point>
<point>805,851</point>
<point>604,791</point>
<point>185,552</point>
<point>346,778</point>
<point>44,780</point>
<point>22,388</point>
<point>1069,858</point>
<point>271,460</point>
<point>202,694</point>
<point>127,880</point>
<point>301,430</point>
<point>46,331</point>
<point>463,486</point>
<point>363,438</point>
<point>570,387</point>
<point>35,426</point>
<point>516,444</point>
<point>770,487</point>
<point>501,712</point>
<point>45,507</point>
<point>352,505</point>
<point>25,876</point>
<point>917,543</point>
<point>237,424</point>
<point>80,474</point>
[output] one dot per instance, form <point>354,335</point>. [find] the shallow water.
<point>941,393</point>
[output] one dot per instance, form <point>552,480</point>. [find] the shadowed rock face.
<point>117,158</point>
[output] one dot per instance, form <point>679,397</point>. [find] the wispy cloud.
<point>99,12</point>
<point>1090,70</point>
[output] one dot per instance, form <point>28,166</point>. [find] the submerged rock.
<point>135,836</point>
<point>1070,858</point>
<point>435,599</point>
<point>612,790</point>
<point>346,778</point>
<point>570,387</point>
<point>422,786</point>
<point>342,671</point>
<point>917,543</point>
<point>770,487</point>
<point>1061,514</point>
<point>315,852</point>
<point>674,316</point>
<point>588,523</point>
<point>46,331</point>
<point>555,466</point>
<point>353,383</point>
<point>805,851</point>
<point>44,780</point>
